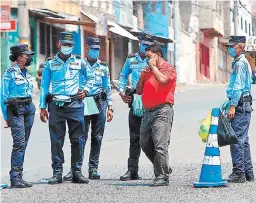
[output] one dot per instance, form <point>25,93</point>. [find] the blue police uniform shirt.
<point>100,72</point>
<point>66,78</point>
<point>240,80</point>
<point>133,65</point>
<point>15,83</point>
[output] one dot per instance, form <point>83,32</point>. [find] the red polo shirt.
<point>154,93</point>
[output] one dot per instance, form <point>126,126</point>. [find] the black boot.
<point>26,183</point>
<point>236,178</point>
<point>249,177</point>
<point>79,178</point>
<point>161,181</point>
<point>68,177</point>
<point>56,179</point>
<point>130,175</point>
<point>17,184</point>
<point>94,175</point>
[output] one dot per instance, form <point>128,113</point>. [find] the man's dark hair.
<point>155,48</point>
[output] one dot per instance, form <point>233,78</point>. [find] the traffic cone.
<point>211,173</point>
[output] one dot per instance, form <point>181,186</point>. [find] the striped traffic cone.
<point>211,174</point>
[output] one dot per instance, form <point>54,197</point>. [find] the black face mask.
<point>28,61</point>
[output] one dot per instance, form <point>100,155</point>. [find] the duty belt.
<point>99,96</point>
<point>20,100</point>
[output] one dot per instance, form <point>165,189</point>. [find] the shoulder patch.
<point>48,58</point>
<point>11,69</point>
<point>131,55</point>
<point>103,63</point>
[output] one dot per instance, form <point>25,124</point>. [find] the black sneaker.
<point>68,177</point>
<point>160,182</point>
<point>130,175</point>
<point>236,178</point>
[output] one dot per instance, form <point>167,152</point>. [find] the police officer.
<point>239,94</point>
<point>134,65</point>
<point>65,71</point>
<point>18,109</point>
<point>102,95</point>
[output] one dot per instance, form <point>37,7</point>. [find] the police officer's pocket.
<point>56,72</point>
<point>19,81</point>
<point>98,77</point>
<point>74,70</point>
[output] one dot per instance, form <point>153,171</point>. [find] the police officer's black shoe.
<point>26,183</point>
<point>161,182</point>
<point>130,175</point>
<point>18,184</point>
<point>68,177</point>
<point>79,178</point>
<point>56,179</point>
<point>249,177</point>
<point>94,175</point>
<point>236,178</point>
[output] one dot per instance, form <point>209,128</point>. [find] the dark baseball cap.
<point>66,38</point>
<point>233,40</point>
<point>93,42</point>
<point>147,38</point>
<point>20,49</point>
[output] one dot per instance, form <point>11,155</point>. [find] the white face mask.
<point>66,50</point>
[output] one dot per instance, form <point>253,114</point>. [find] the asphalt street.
<point>186,155</point>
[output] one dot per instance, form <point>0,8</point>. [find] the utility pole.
<point>23,20</point>
<point>236,18</point>
<point>176,18</point>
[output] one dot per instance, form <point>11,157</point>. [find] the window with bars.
<point>48,38</point>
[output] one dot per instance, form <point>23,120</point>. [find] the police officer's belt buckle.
<point>62,98</point>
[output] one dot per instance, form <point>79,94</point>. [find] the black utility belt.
<point>19,100</point>
<point>243,99</point>
<point>49,98</point>
<point>100,96</point>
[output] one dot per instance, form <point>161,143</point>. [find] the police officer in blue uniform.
<point>102,94</point>
<point>71,82</point>
<point>18,109</point>
<point>239,94</point>
<point>134,65</point>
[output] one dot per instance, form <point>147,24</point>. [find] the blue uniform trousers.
<point>240,152</point>
<point>97,122</point>
<point>20,129</point>
<point>73,114</point>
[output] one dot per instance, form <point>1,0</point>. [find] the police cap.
<point>66,38</point>
<point>18,49</point>
<point>233,40</point>
<point>93,42</point>
<point>147,38</point>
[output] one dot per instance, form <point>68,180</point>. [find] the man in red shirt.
<point>157,86</point>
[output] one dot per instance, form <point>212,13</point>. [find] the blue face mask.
<point>143,48</point>
<point>66,50</point>
<point>94,53</point>
<point>232,52</point>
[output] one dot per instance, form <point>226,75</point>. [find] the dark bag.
<point>130,92</point>
<point>226,134</point>
<point>13,106</point>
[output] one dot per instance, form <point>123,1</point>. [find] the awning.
<point>60,18</point>
<point>120,31</point>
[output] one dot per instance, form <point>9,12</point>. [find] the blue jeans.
<point>240,152</point>
<point>97,122</point>
<point>73,114</point>
<point>20,129</point>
